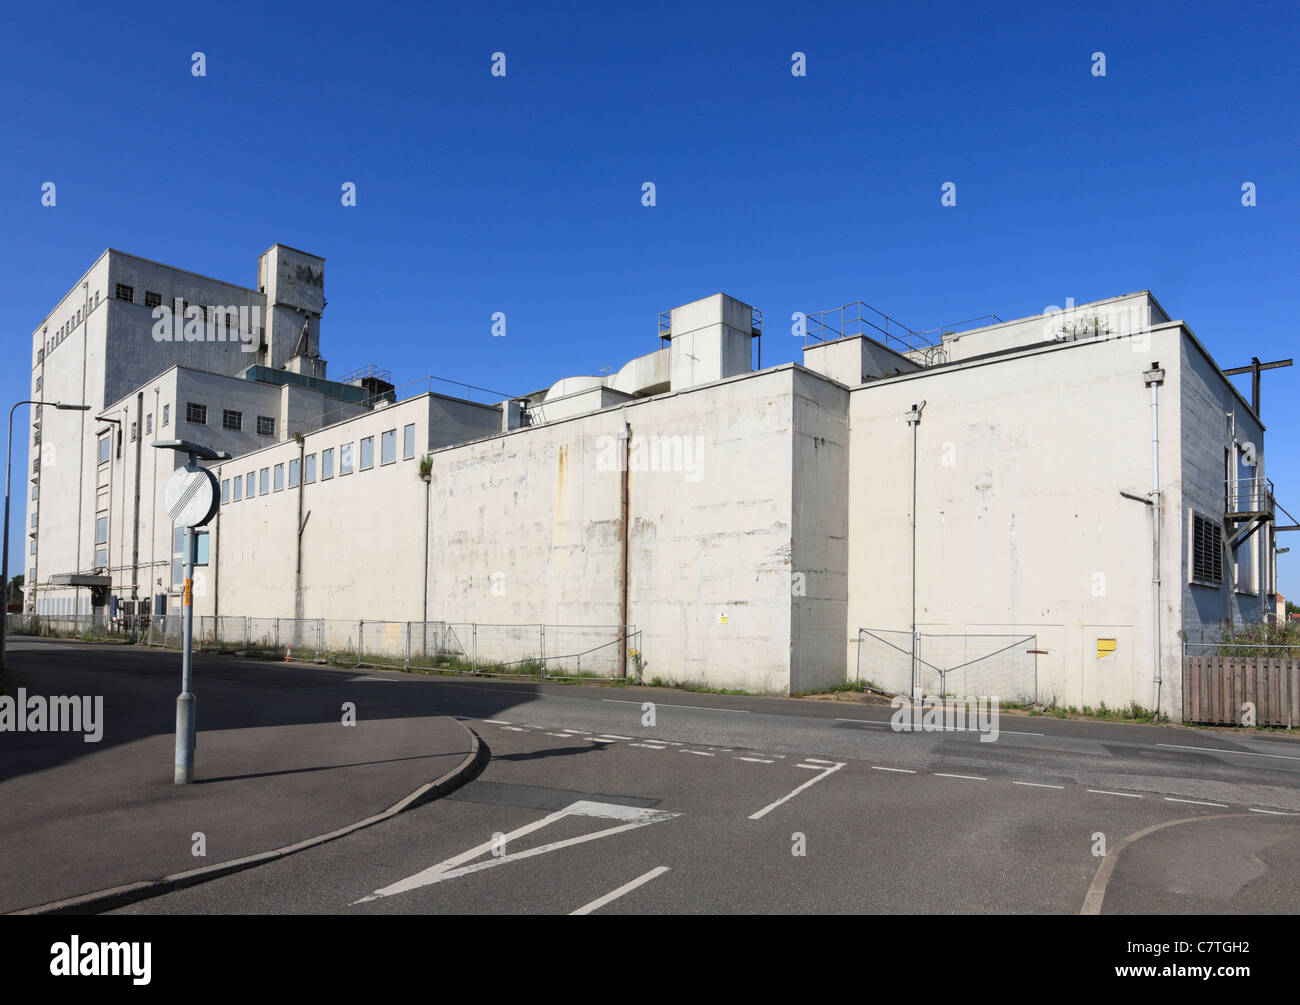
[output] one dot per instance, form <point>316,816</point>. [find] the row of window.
<point>66,329</point>
<point>197,415</point>
<point>151,300</point>
<point>273,479</point>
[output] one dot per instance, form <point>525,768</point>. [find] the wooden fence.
<point>1216,687</point>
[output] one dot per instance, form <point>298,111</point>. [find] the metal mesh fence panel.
<point>954,665</point>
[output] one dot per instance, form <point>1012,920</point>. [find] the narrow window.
<point>408,442</point>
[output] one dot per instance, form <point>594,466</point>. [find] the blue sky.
<point>522,194</point>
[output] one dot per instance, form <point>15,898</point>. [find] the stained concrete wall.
<point>819,532</point>
<point>525,529</point>
<point>1021,527</point>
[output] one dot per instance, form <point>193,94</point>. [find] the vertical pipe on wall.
<point>626,436</point>
<point>914,420</point>
<point>1153,378</point>
<point>297,578</point>
<point>135,516</point>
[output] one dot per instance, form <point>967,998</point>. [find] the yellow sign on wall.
<point>1105,647</point>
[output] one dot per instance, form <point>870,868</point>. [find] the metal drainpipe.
<point>214,557</point>
<point>153,513</point>
<point>424,610</point>
<point>1153,378</point>
<point>914,420</point>
<point>623,545</point>
<point>135,529</point>
<point>297,580</point>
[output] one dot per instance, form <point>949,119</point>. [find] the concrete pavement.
<point>276,766</point>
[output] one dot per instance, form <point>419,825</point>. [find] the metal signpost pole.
<point>192,497</point>
<point>185,701</point>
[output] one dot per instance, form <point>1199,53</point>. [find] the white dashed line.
<point>1220,750</point>
<point>1105,792</point>
<point>1195,802</point>
<point>866,722</point>
<point>1275,813</point>
<point>1039,785</point>
<point>814,767</point>
<point>515,729</point>
<point>498,722</point>
<point>697,708</point>
<point>756,760</point>
<point>649,746</point>
<point>600,902</point>
<point>817,760</point>
<point>615,736</point>
<point>901,771</point>
<point>969,778</point>
<point>702,753</point>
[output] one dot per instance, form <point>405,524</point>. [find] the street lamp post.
<point>9,449</point>
<point>192,497</point>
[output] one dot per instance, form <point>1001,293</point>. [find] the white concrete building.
<point>747,521</point>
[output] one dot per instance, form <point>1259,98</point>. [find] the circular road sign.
<point>191,496</point>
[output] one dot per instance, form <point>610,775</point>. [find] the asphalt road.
<point>750,805</point>
<point>729,804</point>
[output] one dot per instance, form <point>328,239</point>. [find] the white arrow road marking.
<point>632,817</point>
<point>812,781</point>
<point>600,902</point>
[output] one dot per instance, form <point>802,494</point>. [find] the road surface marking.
<point>615,736</point>
<point>756,760</point>
<point>579,732</point>
<point>817,760</point>
<point>498,722</point>
<point>600,902</point>
<point>866,722</point>
<point>702,753</point>
<point>1195,802</point>
<point>649,746</point>
<point>901,771</point>
<point>812,781</point>
<point>632,817</point>
<point>1126,795</point>
<point>1276,813</point>
<point>970,778</point>
<point>1039,785</point>
<point>664,704</point>
<point>515,729</point>
<point>814,767</point>
<point>1220,750</point>
<point>562,736</point>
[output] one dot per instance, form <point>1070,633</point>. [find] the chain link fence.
<point>950,665</point>
<point>543,651</point>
